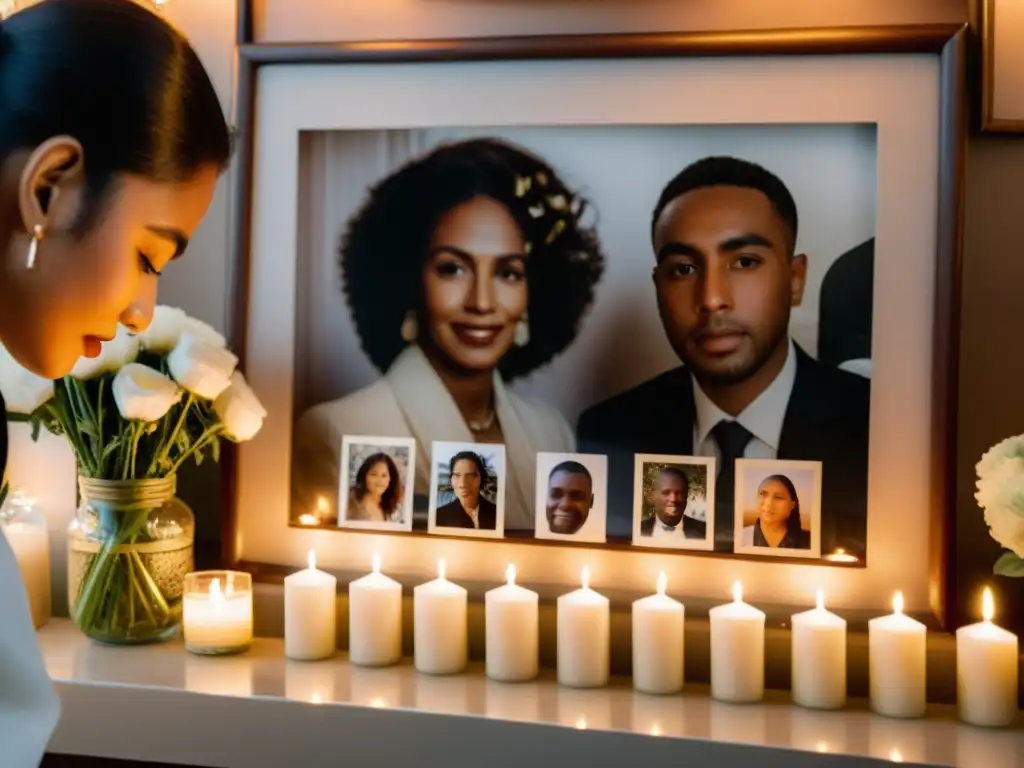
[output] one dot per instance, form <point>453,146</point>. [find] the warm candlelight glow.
<point>656,730</point>
<point>988,605</point>
<point>737,592</point>
<point>442,567</point>
<point>896,756</point>
<point>821,746</point>
<point>311,560</point>
<point>215,593</point>
<point>662,582</point>
<point>378,702</point>
<point>321,506</point>
<point>376,562</point>
<point>510,574</point>
<point>841,556</point>
<point>585,577</point>
<point>308,519</point>
<point>316,698</point>
<point>581,722</point>
<point>819,597</point>
<point>897,602</point>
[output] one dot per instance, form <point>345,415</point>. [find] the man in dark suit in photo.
<point>726,277</point>
<point>669,497</point>
<point>469,509</point>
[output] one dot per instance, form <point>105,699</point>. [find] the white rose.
<point>240,409</point>
<point>201,368</point>
<point>143,393</point>
<point>117,352</point>
<point>167,326</point>
<point>1007,528</point>
<point>23,391</point>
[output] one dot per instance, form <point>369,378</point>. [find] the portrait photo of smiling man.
<point>727,276</point>
<point>671,498</point>
<point>571,497</point>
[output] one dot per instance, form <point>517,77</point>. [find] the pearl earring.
<point>410,328</point>
<point>33,246</point>
<point>522,337</point>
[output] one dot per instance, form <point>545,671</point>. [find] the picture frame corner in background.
<point>255,232</point>
<point>999,62</point>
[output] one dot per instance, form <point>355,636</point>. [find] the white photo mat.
<point>408,444</point>
<point>810,503</point>
<point>710,465</point>
<point>900,93</point>
<point>492,453</point>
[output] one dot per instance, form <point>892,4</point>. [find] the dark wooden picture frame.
<point>947,42</point>
<point>984,19</point>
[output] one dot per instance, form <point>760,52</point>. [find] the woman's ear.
<point>53,175</point>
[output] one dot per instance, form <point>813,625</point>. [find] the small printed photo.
<point>376,490</point>
<point>671,499</point>
<point>778,508</point>
<point>572,496</point>
<point>467,491</point>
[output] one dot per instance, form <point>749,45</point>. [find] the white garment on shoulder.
<point>29,706</point>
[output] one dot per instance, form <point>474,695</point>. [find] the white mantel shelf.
<point>257,710</point>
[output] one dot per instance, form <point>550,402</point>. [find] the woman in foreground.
<point>111,142</point>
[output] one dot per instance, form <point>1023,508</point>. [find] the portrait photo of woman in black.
<point>464,269</point>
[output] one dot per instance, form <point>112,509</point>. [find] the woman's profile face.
<point>378,478</point>
<point>79,290</point>
<point>774,502</point>
<point>475,283</point>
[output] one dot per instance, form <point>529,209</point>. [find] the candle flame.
<point>819,598</point>
<point>215,593</point>
<point>321,505</point>
<point>821,746</point>
<point>230,589</point>
<point>311,559</point>
<point>896,756</point>
<point>378,702</point>
<point>510,574</point>
<point>897,602</point>
<point>316,698</point>
<point>581,722</point>
<point>656,729</point>
<point>737,592</point>
<point>442,567</point>
<point>988,605</point>
<point>585,577</point>
<point>662,582</point>
<point>376,562</point>
<point>308,519</point>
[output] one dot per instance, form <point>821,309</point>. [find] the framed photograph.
<point>467,495</point>
<point>798,183</point>
<point>674,502</point>
<point>571,497</point>
<point>376,493</point>
<point>1001,31</point>
<point>778,508</point>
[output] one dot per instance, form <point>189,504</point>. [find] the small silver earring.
<point>33,246</point>
<point>522,337</point>
<point>410,328</point>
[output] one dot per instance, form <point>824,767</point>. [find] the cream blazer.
<point>411,401</point>
<point>29,707</point>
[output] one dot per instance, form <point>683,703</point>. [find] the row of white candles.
<point>987,655</point>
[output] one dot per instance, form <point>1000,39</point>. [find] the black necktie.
<point>732,439</point>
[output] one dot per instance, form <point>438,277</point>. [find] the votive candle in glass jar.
<point>218,612</point>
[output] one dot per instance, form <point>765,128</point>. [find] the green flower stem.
<point>164,454</point>
<point>211,434</point>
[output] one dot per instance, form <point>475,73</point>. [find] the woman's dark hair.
<point>485,476</point>
<point>118,79</point>
<point>391,497</point>
<point>793,522</point>
<point>385,246</point>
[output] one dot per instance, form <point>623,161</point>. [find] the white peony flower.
<point>167,326</point>
<point>1009,450</point>
<point>22,390</point>
<point>143,393</point>
<point>240,409</point>
<point>1006,527</point>
<point>117,352</point>
<point>201,368</point>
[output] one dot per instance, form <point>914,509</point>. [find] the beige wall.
<point>991,404</point>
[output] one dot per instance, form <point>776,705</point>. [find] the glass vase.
<point>130,545</point>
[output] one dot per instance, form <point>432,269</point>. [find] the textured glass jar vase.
<point>129,548</point>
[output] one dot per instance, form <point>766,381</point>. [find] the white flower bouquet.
<point>1000,494</point>
<point>133,416</point>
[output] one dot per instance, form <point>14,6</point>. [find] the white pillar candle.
<point>217,620</point>
<point>819,658</point>
<point>896,663</point>
<point>583,637</point>
<point>439,625</point>
<point>737,650</point>
<point>511,620</point>
<point>310,613</point>
<point>986,670</point>
<point>31,547</point>
<point>374,619</point>
<point>658,625</point>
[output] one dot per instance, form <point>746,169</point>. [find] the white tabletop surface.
<point>160,703</point>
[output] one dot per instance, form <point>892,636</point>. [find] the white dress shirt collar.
<point>763,418</point>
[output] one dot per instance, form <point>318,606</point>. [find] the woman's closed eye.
<point>146,265</point>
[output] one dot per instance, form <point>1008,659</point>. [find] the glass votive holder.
<point>24,525</point>
<point>217,612</point>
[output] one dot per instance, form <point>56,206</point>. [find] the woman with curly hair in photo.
<point>376,494</point>
<point>464,269</point>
